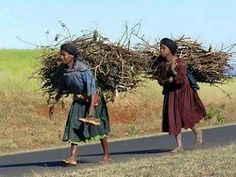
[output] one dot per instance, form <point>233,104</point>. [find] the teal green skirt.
<point>75,131</point>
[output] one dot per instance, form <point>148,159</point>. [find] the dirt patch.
<point>44,111</point>
<point>121,115</point>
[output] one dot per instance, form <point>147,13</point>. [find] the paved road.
<point>21,164</point>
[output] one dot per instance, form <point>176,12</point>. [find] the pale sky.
<point>210,21</point>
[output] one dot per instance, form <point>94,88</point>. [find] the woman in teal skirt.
<point>77,78</point>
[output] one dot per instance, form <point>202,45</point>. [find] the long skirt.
<point>181,109</point>
<point>76,131</point>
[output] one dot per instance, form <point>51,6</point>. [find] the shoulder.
<point>180,62</point>
<point>80,66</point>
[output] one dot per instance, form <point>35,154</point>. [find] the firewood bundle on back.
<point>118,67</point>
<point>206,65</point>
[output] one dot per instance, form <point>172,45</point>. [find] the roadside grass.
<point>220,106</point>
<point>23,127</point>
<point>140,112</point>
<point>24,122</point>
<point>16,69</point>
<point>216,162</point>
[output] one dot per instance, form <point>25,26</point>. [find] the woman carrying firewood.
<point>88,116</point>
<point>182,107</point>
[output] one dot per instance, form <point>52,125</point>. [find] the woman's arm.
<point>179,71</point>
<point>91,91</point>
<point>92,106</point>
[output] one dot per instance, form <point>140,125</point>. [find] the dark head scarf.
<point>170,44</point>
<point>70,48</point>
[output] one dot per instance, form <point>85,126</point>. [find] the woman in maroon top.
<point>182,107</point>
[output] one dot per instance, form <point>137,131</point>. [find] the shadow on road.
<point>41,164</point>
<point>152,151</point>
<point>60,163</point>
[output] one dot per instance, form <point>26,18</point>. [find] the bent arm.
<point>180,73</point>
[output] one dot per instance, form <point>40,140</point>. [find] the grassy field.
<point>24,122</point>
<point>217,162</point>
<point>16,67</point>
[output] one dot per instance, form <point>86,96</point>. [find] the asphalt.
<point>24,164</point>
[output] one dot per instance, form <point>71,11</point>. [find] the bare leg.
<point>72,160</point>
<point>179,146</point>
<point>74,151</point>
<point>198,135</point>
<point>106,155</point>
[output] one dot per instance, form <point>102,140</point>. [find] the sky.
<point>212,22</point>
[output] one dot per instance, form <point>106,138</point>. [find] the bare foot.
<point>104,161</point>
<point>198,137</point>
<point>177,149</point>
<point>70,162</point>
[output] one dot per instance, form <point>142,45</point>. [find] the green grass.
<point>16,69</point>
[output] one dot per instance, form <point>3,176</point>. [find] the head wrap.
<point>170,44</point>
<point>70,48</point>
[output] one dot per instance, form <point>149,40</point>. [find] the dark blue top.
<point>79,79</point>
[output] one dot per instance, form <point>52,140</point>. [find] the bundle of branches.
<point>116,67</point>
<point>207,65</point>
<point>49,64</point>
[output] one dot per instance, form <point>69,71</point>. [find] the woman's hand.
<point>172,67</point>
<point>79,97</point>
<point>92,106</point>
<point>91,111</point>
<point>171,79</point>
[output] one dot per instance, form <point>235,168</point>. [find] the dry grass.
<point>139,113</point>
<point>24,122</point>
<point>218,162</point>
<point>22,127</point>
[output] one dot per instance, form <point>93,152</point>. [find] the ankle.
<point>177,149</point>
<point>72,158</point>
<point>106,157</point>
<point>198,138</point>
